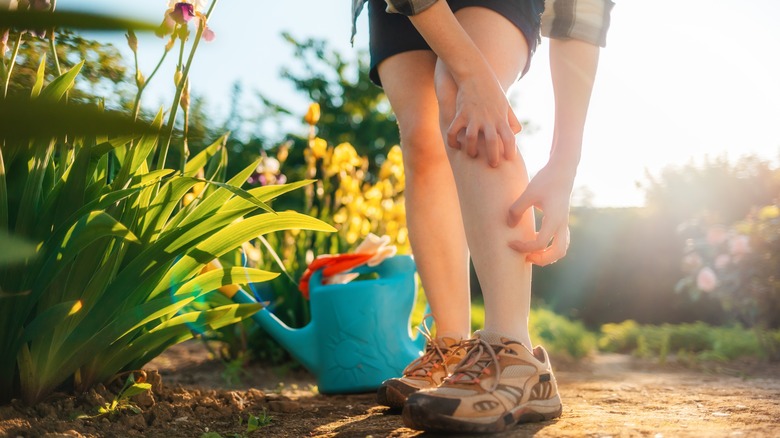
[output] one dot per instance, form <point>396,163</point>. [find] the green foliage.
<point>561,335</point>
<point>699,340</point>
<point>354,110</point>
<point>118,274</point>
<point>253,423</point>
<point>122,401</point>
<point>738,265</point>
<point>558,334</point>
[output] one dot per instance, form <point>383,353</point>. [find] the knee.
<point>423,148</point>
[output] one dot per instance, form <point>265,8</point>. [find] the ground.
<point>604,396</point>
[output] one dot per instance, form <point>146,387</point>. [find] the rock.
<point>94,399</point>
<point>160,414</point>
<point>284,406</point>
<point>45,410</point>
<point>235,400</point>
<point>67,434</point>
<point>155,379</point>
<point>144,400</point>
<point>137,421</point>
<point>256,395</point>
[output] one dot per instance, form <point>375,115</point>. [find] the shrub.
<point>117,273</point>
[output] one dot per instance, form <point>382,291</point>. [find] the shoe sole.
<point>390,397</point>
<point>419,419</point>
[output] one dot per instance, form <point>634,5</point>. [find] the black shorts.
<point>391,34</point>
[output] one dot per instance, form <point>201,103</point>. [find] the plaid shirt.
<point>586,20</point>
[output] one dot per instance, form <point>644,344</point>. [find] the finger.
<point>493,148</point>
<point>472,137</point>
<point>514,124</point>
<point>554,252</point>
<point>508,140</point>
<point>456,127</point>
<point>541,242</point>
<point>518,209</point>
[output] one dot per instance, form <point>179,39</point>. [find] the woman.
<point>445,67</point>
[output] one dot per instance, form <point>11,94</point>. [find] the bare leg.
<point>433,214</point>
<point>486,193</point>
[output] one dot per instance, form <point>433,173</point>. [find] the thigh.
<point>502,44</point>
<point>407,79</point>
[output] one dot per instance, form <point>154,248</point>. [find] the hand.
<point>549,191</point>
<point>483,117</point>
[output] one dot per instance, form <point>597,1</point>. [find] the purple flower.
<point>182,13</point>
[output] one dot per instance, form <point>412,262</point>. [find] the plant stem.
<point>8,72</point>
<point>179,89</point>
<point>53,47</point>
<point>142,88</point>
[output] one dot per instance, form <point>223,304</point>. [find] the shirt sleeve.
<point>408,7</point>
<point>585,20</point>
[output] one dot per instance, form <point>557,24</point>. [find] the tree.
<point>353,109</point>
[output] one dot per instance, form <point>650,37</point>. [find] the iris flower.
<point>180,13</point>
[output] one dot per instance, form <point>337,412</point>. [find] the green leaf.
<point>135,389</point>
<point>241,193</point>
<point>39,77</point>
<point>88,229</point>
<point>212,280</point>
<point>199,161</point>
<point>21,119</point>
<point>71,20</point>
<point>61,85</point>
<point>214,201</point>
<point>15,249</point>
<point>177,329</point>
<point>3,195</point>
<point>137,155</point>
<point>45,322</point>
<point>234,235</point>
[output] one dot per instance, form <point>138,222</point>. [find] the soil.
<point>604,396</point>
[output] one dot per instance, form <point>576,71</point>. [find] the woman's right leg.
<point>432,209</point>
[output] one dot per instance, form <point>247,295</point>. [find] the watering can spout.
<point>300,343</point>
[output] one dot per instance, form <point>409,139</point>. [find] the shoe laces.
<point>479,357</point>
<point>433,357</point>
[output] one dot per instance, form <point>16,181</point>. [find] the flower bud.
<point>132,41</point>
<point>177,78</point>
<point>284,152</point>
<point>140,80</point>
<point>185,97</point>
<point>313,114</point>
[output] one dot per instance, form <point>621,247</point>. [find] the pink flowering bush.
<point>738,265</point>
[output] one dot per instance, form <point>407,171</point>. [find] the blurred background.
<point>680,139</point>
<point>135,156</point>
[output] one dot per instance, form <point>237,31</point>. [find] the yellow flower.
<point>769,212</point>
<point>318,147</point>
<point>313,114</point>
<point>345,158</point>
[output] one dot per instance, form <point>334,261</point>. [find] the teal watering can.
<point>359,334</point>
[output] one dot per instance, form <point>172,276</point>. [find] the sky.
<point>679,80</point>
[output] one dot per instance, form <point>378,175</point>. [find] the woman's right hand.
<point>484,122</point>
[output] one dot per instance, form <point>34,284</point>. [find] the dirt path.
<point>607,396</point>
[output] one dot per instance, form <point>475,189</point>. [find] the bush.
<point>697,340</point>
<point>120,242</point>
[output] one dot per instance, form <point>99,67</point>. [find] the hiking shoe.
<point>428,371</point>
<point>498,384</point>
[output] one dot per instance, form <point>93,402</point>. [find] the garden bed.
<point>606,395</point>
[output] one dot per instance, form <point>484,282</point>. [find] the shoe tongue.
<point>494,338</point>
<point>446,343</point>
